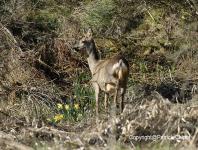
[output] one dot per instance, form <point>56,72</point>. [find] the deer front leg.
<point>97,90</point>
<point>122,91</point>
<point>116,96</point>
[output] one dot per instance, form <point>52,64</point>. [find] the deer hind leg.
<point>116,96</point>
<point>106,101</point>
<point>97,90</point>
<point>122,92</point>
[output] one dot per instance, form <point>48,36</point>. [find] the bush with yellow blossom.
<point>67,112</point>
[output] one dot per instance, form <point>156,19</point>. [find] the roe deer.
<point>109,75</point>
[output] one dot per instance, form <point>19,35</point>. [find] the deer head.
<point>86,43</point>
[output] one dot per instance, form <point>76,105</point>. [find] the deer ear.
<point>89,33</point>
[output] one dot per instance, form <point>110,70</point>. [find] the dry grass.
<point>151,116</point>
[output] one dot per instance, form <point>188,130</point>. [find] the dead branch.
<point>50,71</point>
<point>12,41</point>
<point>8,140</point>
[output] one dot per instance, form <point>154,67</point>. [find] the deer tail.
<point>120,69</point>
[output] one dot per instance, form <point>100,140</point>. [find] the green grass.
<point>79,105</point>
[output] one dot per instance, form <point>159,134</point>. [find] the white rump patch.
<point>115,66</point>
<point>119,65</point>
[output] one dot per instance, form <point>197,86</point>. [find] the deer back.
<point>105,72</point>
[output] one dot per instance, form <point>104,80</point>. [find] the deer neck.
<point>93,57</point>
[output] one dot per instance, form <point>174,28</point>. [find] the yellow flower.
<point>60,106</point>
<point>48,119</point>
<point>76,106</point>
<point>67,107</point>
<point>58,117</point>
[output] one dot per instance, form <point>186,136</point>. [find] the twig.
<point>9,35</point>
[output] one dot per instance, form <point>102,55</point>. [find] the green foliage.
<point>84,94</point>
<point>143,67</point>
<point>48,14</point>
<point>75,109</point>
<point>41,4</point>
<point>44,19</point>
<point>99,13</point>
<point>53,7</point>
